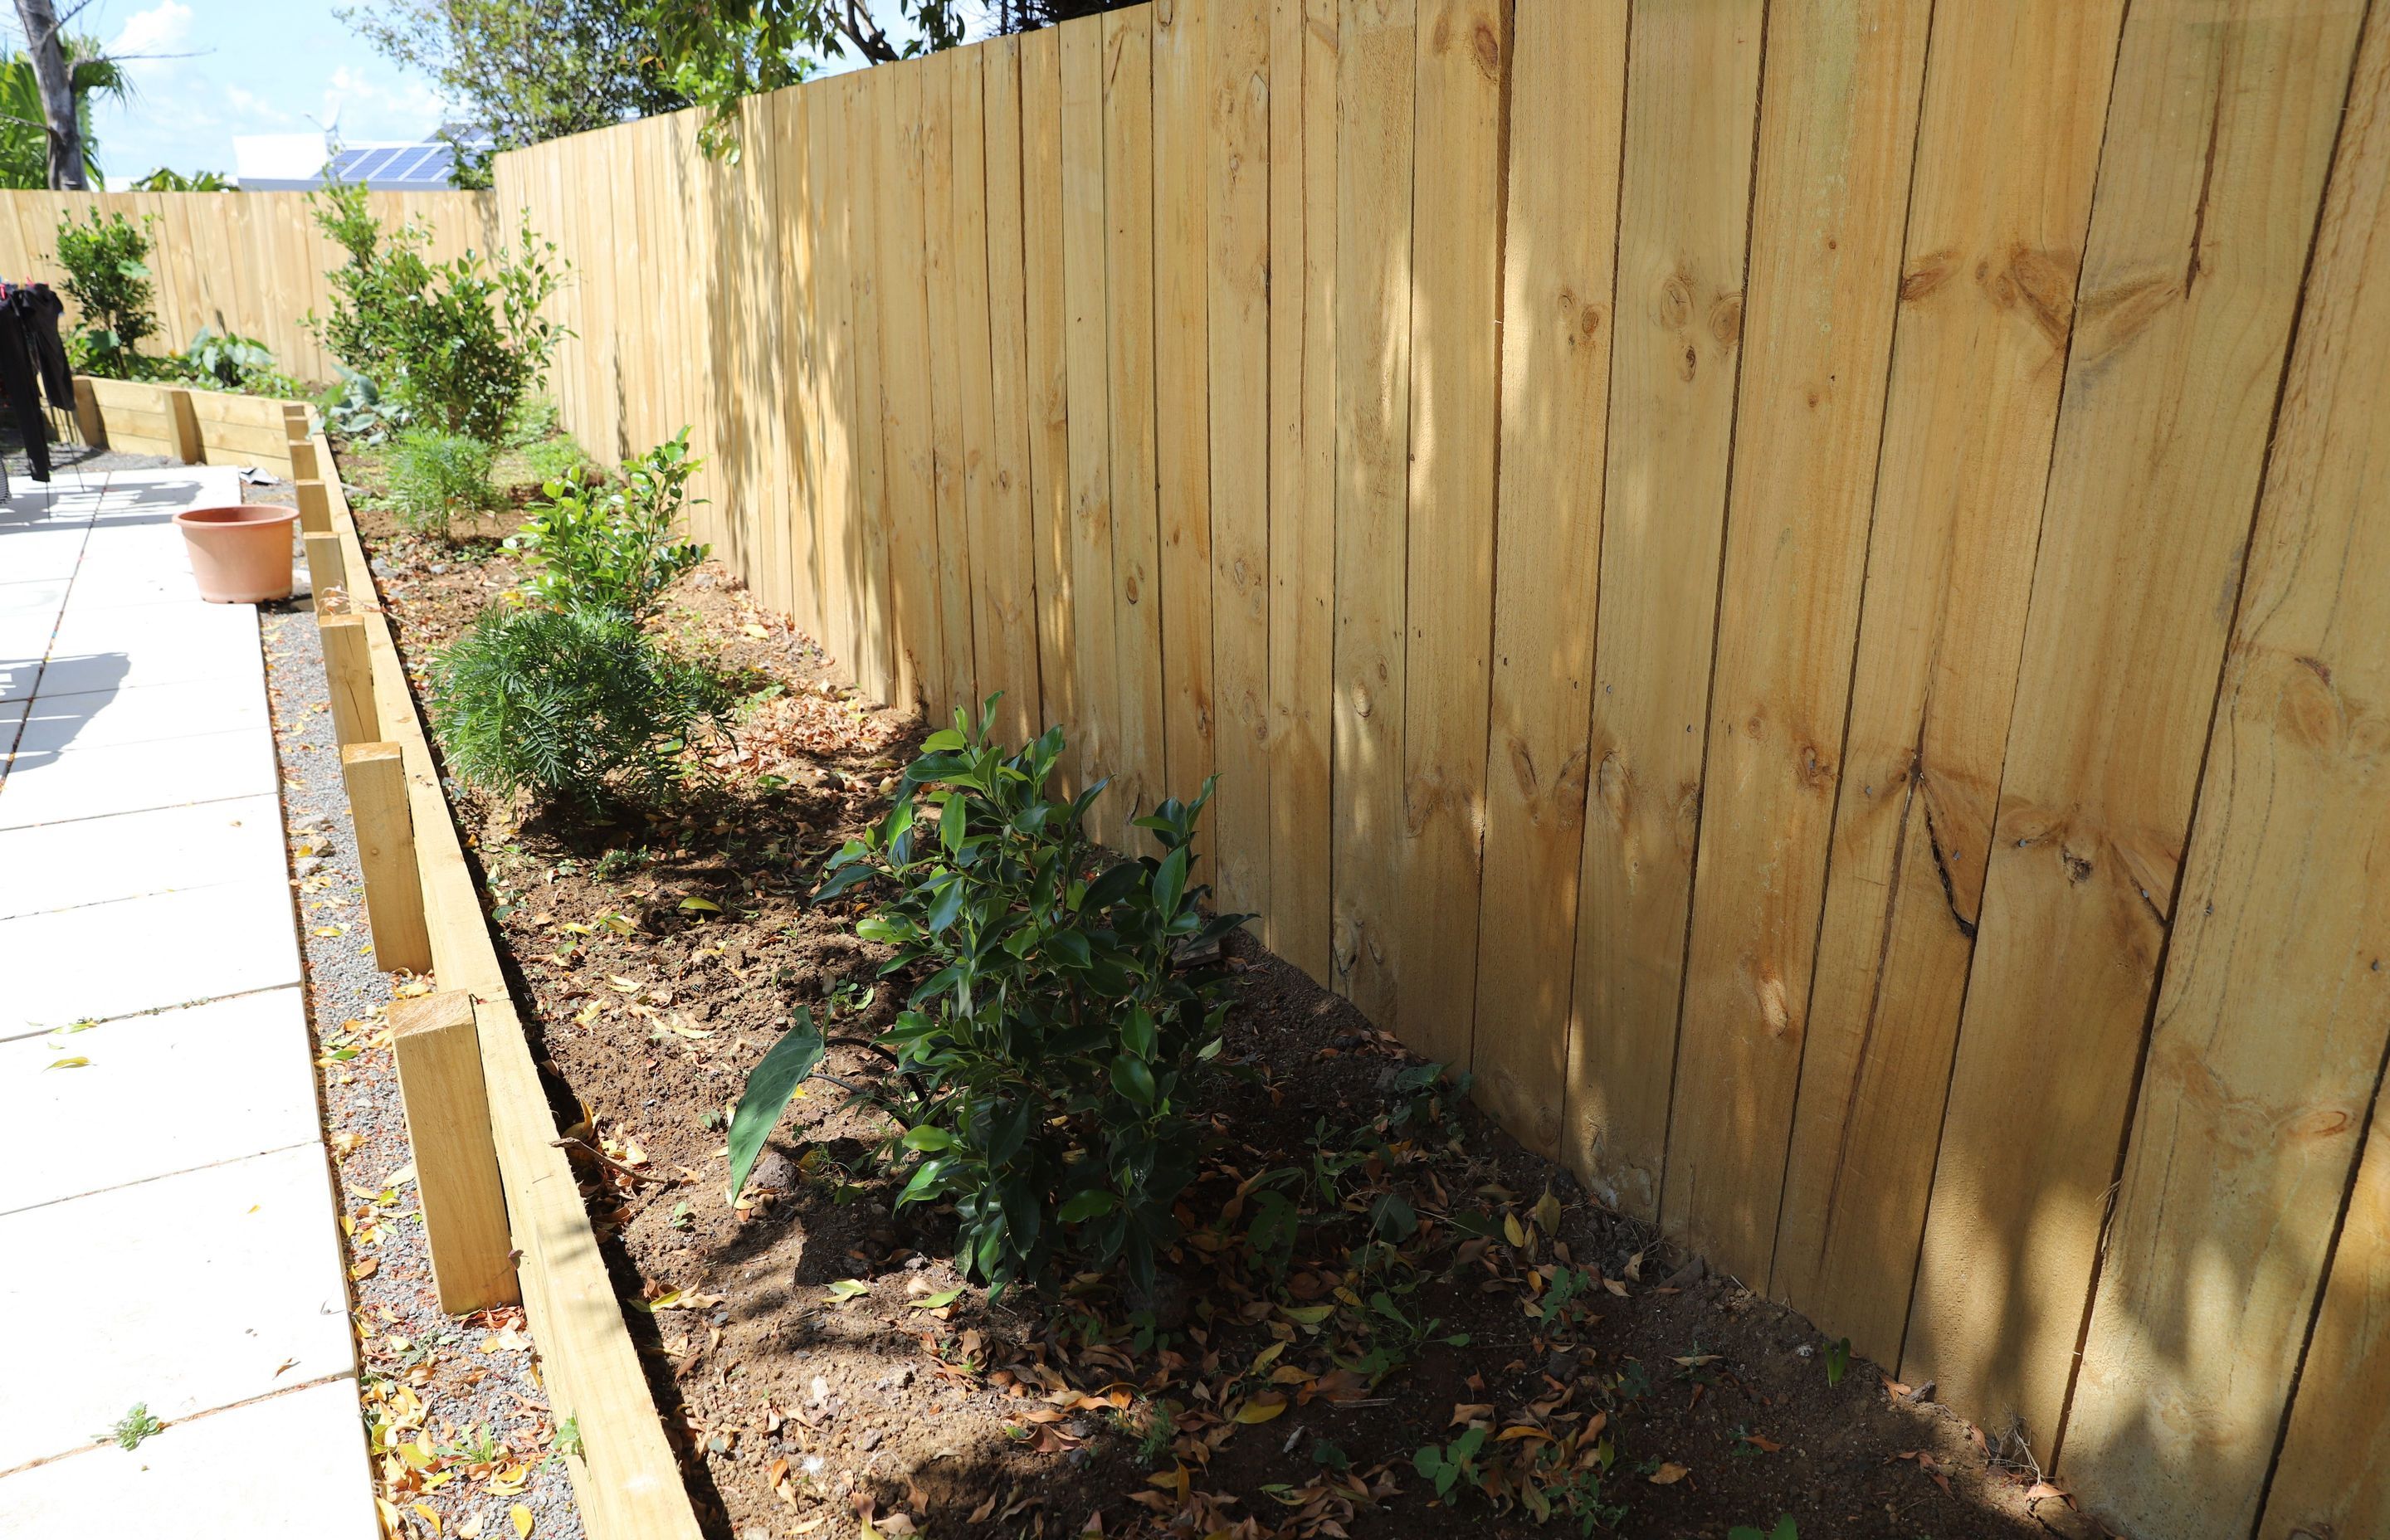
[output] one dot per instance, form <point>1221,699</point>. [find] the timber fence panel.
<point>1701,538</point>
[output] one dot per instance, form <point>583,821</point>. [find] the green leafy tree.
<point>457,345</point>
<point>613,545</point>
<point>107,258</point>
<point>167,179</point>
<point>528,73</point>
<point>24,127</point>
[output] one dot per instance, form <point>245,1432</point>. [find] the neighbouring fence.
<point>248,262</point>
<point>1804,588</point>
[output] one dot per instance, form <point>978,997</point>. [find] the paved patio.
<point>165,1202</point>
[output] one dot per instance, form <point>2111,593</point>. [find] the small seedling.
<point>1785,1529</point>
<point>567,1438</point>
<point>681,1218</point>
<point>132,1428</point>
<point>1838,1360</point>
<point>1446,1466</point>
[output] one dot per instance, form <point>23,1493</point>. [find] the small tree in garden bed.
<point>436,478</point>
<point>558,690</point>
<point>456,344</point>
<point>107,258</point>
<point>591,543</point>
<point>1043,1064</point>
<point>570,705</point>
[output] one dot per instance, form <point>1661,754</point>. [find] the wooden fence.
<point>1803,587</point>
<point>249,262</point>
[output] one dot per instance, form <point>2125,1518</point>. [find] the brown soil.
<point>658,958</point>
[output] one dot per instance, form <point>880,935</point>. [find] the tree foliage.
<point>24,133</point>
<point>528,73</point>
<point>107,258</point>
<point>458,344</point>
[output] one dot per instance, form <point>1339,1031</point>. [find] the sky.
<point>249,66</point>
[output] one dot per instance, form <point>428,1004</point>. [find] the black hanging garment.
<point>17,378</point>
<point>42,309</point>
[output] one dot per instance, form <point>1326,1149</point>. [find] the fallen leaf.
<point>1670,1474</point>
<point>754,631</point>
<point>848,1289</point>
<point>363,1269</point>
<point>1511,1232</point>
<point>1261,1409</point>
<point>707,904</point>
<point>1767,1445</point>
<point>520,1514</point>
<point>933,1301</point>
<point>72,1061</point>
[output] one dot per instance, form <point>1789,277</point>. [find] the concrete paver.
<point>289,1468</point>
<point>166,1205</point>
<point>49,867</point>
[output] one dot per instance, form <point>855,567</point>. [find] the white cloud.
<point>163,29</point>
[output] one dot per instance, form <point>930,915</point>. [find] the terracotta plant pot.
<point>239,555</point>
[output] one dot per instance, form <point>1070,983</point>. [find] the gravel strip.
<point>468,1388</point>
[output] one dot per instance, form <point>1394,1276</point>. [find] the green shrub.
<point>458,344</point>
<point>222,360</point>
<point>436,478</point>
<point>1046,1060</point>
<point>558,459</point>
<point>108,278</point>
<point>611,544</point>
<point>572,706</point>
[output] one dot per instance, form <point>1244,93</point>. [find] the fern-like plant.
<point>572,705</point>
<point>437,478</point>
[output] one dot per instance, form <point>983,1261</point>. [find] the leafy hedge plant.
<point>1044,1063</point>
<point>572,705</point>
<point>435,478</point>
<point>458,344</point>
<point>107,258</point>
<point>613,543</point>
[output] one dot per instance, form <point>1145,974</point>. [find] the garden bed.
<point>819,1361</point>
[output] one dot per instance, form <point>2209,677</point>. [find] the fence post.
<point>88,421</point>
<point>439,1054</point>
<point>385,826</point>
<point>314,506</point>
<point>327,569</point>
<point>184,423</point>
<point>348,670</point>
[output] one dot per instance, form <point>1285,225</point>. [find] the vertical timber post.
<point>377,782</point>
<point>439,1054</point>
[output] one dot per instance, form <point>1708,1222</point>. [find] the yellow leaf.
<point>1547,1212</point>
<point>1670,1474</point>
<point>1511,1232</point>
<point>1261,1409</point>
<point>754,631</point>
<point>520,1514</point>
<point>328,929</point>
<point>628,986</point>
<point>705,904</point>
<point>72,1061</point>
<point>588,1014</point>
<point>430,1515</point>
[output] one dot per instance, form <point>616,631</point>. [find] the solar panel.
<point>424,165</point>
